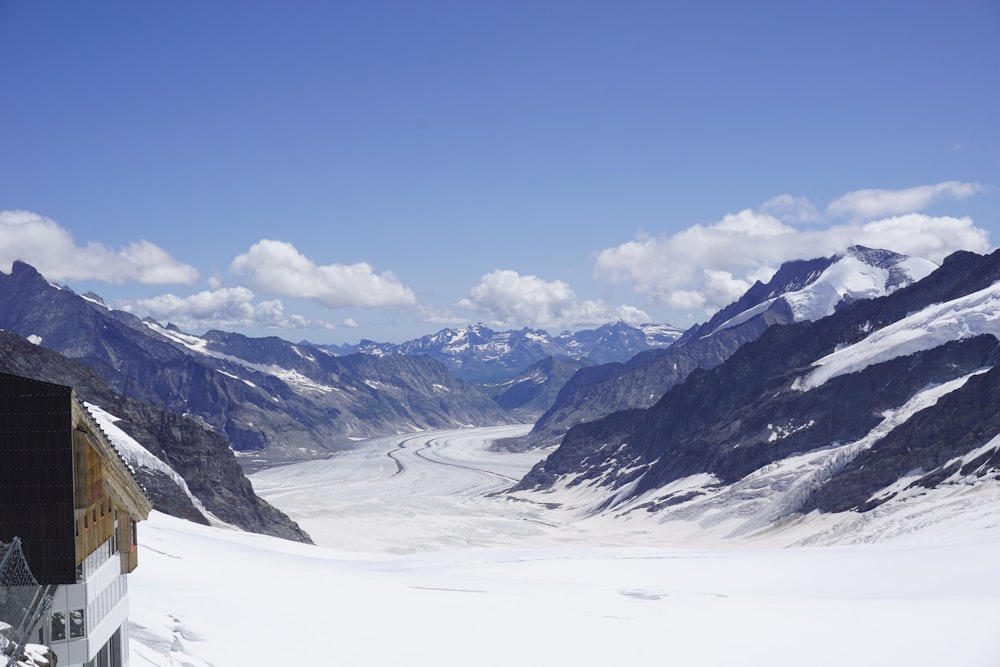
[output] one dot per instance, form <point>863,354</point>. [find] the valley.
<point>808,478</point>
<point>407,494</point>
<point>531,334</point>
<point>419,559</point>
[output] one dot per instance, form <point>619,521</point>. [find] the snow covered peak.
<point>860,274</point>
<point>902,269</point>
<point>824,285</point>
<point>95,299</point>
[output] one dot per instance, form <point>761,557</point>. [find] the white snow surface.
<point>776,493</point>
<point>293,378</point>
<point>135,454</point>
<point>419,561</point>
<point>965,317</point>
<point>847,277</point>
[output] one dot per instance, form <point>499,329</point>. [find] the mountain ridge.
<point>307,405</point>
<point>765,443</point>
<point>202,458</point>
<point>478,354</point>
<point>856,274</point>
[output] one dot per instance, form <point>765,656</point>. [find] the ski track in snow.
<point>420,560</point>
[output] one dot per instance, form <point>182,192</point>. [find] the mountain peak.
<point>882,402</point>
<point>95,298</point>
<point>24,270</point>
<point>815,288</point>
<point>876,256</point>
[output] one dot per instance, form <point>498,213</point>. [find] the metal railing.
<point>23,601</point>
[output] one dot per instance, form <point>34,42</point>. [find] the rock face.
<point>201,457</point>
<point>799,291</point>
<point>281,401</point>
<point>529,394</point>
<point>640,382</point>
<point>884,396</point>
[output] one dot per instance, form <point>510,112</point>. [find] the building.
<point>73,502</point>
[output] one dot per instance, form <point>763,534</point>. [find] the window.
<point>58,626</point>
<point>77,627</point>
<point>110,654</point>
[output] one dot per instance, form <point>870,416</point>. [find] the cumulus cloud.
<point>708,266</point>
<point>509,299</point>
<point>279,268</point>
<point>51,249</point>
<point>224,308</point>
<point>791,209</point>
<point>920,235</point>
<point>875,203</point>
<point>703,265</point>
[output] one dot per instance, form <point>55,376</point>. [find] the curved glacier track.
<point>455,451</point>
<point>412,492</point>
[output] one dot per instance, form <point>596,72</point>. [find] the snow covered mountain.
<point>188,470</point>
<point>813,289</point>
<point>885,398</point>
<point>274,400</point>
<point>478,354</point>
<point>529,394</point>
<point>799,291</point>
<point>269,397</point>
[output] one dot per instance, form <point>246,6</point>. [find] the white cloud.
<point>708,266</point>
<point>791,209</point>
<point>509,299</point>
<point>51,249</point>
<point>701,265</point>
<point>223,308</point>
<point>875,203</point>
<point>722,287</point>
<point>920,235</point>
<point>278,268</point>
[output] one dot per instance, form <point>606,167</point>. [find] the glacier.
<point>421,558</point>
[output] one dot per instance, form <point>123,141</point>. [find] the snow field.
<point>419,563</point>
<point>227,598</point>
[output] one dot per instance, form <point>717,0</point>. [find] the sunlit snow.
<point>421,561</point>
<point>847,278</point>
<point>293,378</point>
<point>965,317</point>
<point>135,454</point>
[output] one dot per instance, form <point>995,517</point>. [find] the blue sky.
<point>336,171</point>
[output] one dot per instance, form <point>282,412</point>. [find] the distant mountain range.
<point>271,399</point>
<point>799,291</point>
<point>838,384</point>
<point>194,400</point>
<point>882,400</point>
<point>477,354</point>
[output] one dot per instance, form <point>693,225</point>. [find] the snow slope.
<point>136,455</point>
<point>854,276</point>
<point>971,315</point>
<point>419,561</point>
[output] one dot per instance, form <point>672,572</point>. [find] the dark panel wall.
<point>36,475</point>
